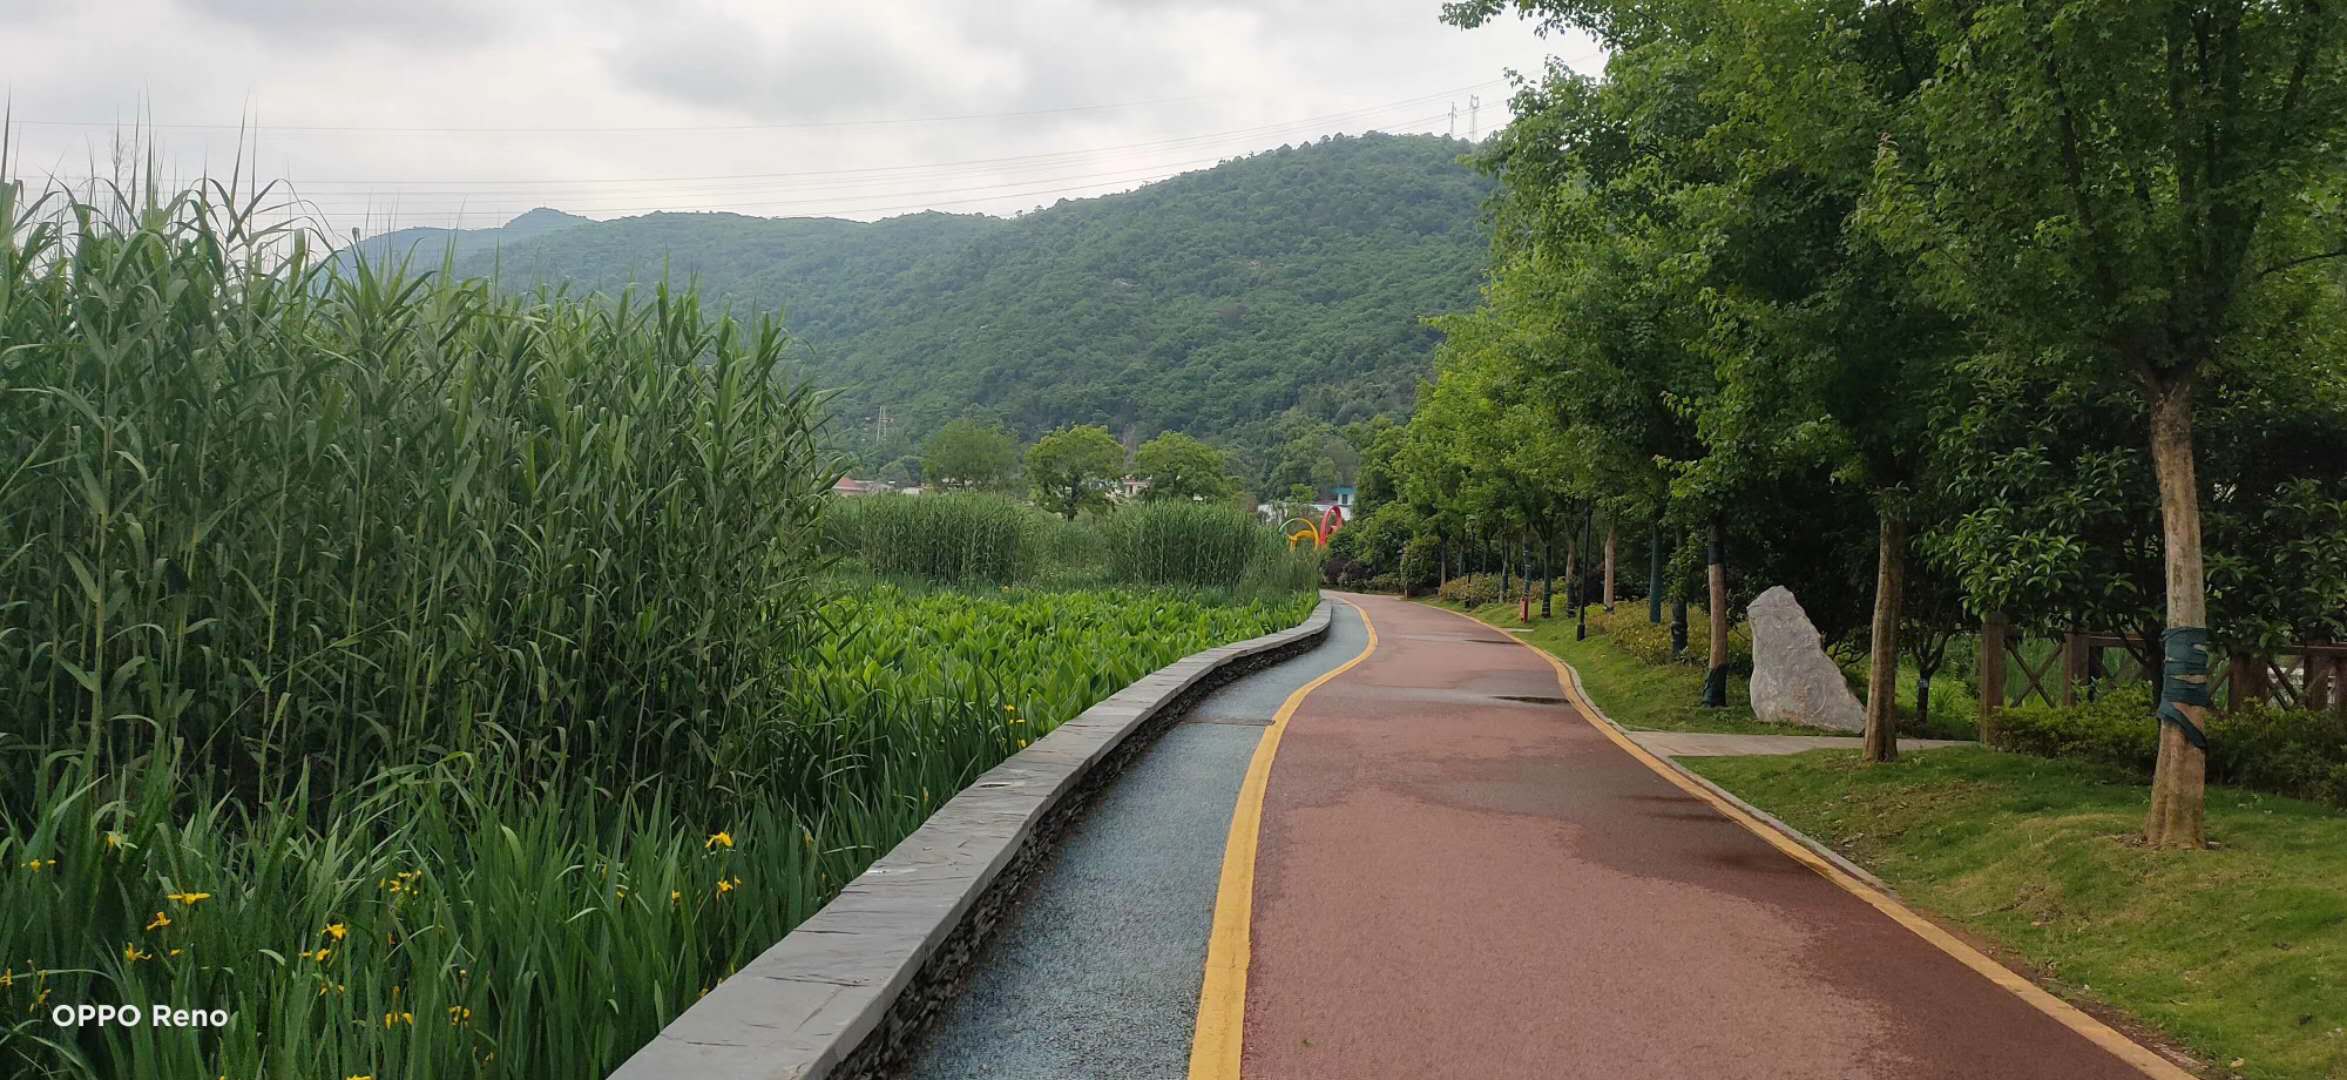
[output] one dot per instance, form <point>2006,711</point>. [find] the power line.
<point>507,183</point>
<point>466,129</point>
<point>1146,174</point>
<point>928,204</point>
<point>753,188</point>
<point>636,130</point>
<point>842,191</point>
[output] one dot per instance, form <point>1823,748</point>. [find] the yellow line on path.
<point>2068,1015</point>
<point>1222,1002</point>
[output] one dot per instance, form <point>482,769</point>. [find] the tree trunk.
<point>1573,597</point>
<point>1929,652</point>
<point>1715,680</point>
<point>1527,561</point>
<point>1609,569</point>
<point>1548,574</point>
<point>1654,576</point>
<point>1882,671</point>
<point>2181,775</point>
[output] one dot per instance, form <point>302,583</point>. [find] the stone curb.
<point>1790,833</point>
<point>843,994</point>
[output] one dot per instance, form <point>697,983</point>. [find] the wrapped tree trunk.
<point>1679,622</point>
<point>1573,596</point>
<point>1548,573</point>
<point>1882,670</point>
<point>2180,777</point>
<point>1654,576</point>
<point>1527,560</point>
<point>1609,568</point>
<point>1715,680</point>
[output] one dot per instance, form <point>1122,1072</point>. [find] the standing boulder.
<point>1793,680</point>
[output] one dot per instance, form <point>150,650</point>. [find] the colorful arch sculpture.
<point>1302,529</point>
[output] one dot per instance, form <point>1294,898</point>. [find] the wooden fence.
<point>2082,665</point>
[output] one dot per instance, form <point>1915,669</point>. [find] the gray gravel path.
<point>1095,974</point>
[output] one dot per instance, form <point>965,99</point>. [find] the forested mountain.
<point>1231,303</point>
<point>429,244</point>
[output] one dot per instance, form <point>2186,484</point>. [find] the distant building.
<point>1129,488</point>
<point>1339,497</point>
<point>849,485</point>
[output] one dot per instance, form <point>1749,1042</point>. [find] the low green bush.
<point>2115,729</point>
<point>2299,752</point>
<point>1472,590</point>
<point>2296,752</point>
<point>1629,631</point>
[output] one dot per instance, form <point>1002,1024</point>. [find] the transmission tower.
<point>1474,107</point>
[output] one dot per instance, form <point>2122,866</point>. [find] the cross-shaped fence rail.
<point>2017,667</point>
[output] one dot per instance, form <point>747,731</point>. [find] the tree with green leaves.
<point>1836,357</point>
<point>970,454</point>
<point>1179,467</point>
<point>1601,240</point>
<point>1073,468</point>
<point>2138,191</point>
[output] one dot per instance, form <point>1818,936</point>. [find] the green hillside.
<point>1288,282</point>
<point>429,244</point>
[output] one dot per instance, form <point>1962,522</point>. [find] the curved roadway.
<point>1459,876</point>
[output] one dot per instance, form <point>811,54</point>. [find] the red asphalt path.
<point>1451,883</point>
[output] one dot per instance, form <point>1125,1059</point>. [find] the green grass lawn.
<point>2238,952</point>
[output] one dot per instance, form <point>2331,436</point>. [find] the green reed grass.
<point>1203,544</point>
<point>960,538</point>
<point>437,680</point>
<point>992,539</point>
<point>541,934</point>
<point>285,518</point>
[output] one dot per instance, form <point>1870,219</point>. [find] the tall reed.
<point>957,538</point>
<point>294,520</point>
<point>1203,544</point>
<point>438,681</point>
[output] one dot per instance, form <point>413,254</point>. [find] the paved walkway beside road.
<point>1709,744</point>
<point>1096,973</point>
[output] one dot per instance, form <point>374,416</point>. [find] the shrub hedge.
<point>1629,631</point>
<point>2296,752</point>
<point>1473,590</point>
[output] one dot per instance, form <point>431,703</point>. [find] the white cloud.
<point>607,108</point>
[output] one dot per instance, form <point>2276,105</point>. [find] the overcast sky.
<point>445,112</point>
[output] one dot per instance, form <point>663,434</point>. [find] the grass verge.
<point>2235,953</point>
<point>1664,697</point>
<point>2239,952</point>
<point>1638,695</point>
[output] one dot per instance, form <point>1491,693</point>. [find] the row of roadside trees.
<point>2034,307</point>
<point>1074,468</point>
